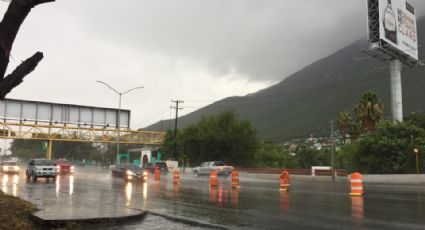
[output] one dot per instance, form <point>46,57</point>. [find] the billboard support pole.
<point>393,39</point>
<point>396,92</point>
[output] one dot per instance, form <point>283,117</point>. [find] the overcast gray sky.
<point>199,51</point>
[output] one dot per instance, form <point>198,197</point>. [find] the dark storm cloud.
<point>260,39</point>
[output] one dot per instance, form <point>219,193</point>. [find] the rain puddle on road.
<point>157,223</point>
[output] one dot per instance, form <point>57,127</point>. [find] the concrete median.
<point>394,178</point>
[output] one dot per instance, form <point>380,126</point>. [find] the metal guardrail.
<point>339,172</point>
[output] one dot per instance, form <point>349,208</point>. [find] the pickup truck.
<point>220,167</point>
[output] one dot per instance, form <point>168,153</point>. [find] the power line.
<point>154,115</point>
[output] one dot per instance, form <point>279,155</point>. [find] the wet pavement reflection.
<point>65,184</point>
<point>315,203</point>
<point>10,184</point>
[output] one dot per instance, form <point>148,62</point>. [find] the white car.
<point>41,168</point>
<point>10,167</point>
<point>220,167</point>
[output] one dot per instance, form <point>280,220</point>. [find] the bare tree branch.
<point>13,18</point>
<point>16,77</point>
<point>38,2</point>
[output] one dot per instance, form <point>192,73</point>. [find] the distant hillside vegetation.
<point>306,101</point>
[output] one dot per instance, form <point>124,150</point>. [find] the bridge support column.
<point>49,149</point>
<point>396,96</point>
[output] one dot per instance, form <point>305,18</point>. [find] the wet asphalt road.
<point>313,203</point>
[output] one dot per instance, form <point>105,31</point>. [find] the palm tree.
<point>369,111</point>
<point>342,121</point>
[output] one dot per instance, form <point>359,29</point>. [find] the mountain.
<point>306,101</point>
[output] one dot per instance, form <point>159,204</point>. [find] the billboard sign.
<point>54,113</point>
<point>397,23</point>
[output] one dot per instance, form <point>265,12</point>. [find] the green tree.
<point>308,156</point>
<point>274,156</point>
<point>417,119</point>
<point>343,120</point>
<point>389,149</point>
<point>72,150</point>
<point>344,157</point>
<point>354,129</point>
<point>369,111</point>
<point>222,137</point>
<point>27,149</point>
<point>168,145</point>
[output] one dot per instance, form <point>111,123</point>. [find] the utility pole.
<point>332,150</point>
<point>175,125</point>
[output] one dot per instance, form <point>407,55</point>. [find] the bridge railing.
<point>339,172</point>
<point>33,131</point>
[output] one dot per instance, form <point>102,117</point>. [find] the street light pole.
<point>119,112</point>
<point>118,128</point>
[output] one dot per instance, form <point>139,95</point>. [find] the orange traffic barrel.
<point>213,178</point>
<point>177,177</point>
<point>157,173</point>
<point>356,184</point>
<point>235,179</point>
<point>284,181</point>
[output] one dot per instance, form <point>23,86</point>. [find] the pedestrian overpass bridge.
<point>33,120</point>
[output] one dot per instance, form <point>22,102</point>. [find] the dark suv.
<point>129,172</point>
<point>163,167</point>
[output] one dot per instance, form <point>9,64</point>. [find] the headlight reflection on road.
<point>71,185</point>
<point>57,185</point>
<point>15,179</point>
<point>15,185</point>
<point>128,191</point>
<point>145,191</point>
<point>4,184</point>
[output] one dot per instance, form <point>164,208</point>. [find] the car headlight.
<point>16,168</point>
<point>128,172</point>
<point>58,168</point>
<point>145,174</point>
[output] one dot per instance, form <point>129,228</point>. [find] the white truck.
<point>220,167</point>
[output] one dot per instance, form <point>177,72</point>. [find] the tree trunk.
<point>9,27</point>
